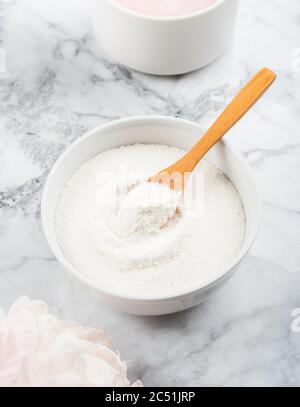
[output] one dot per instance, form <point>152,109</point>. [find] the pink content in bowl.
<point>166,8</point>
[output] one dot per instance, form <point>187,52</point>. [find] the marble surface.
<point>57,85</point>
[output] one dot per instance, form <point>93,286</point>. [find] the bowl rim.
<point>187,16</point>
<point>71,270</point>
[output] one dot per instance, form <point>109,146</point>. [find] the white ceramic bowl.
<point>155,130</point>
<point>160,45</point>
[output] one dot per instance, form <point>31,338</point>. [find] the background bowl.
<point>160,45</point>
<point>154,130</point>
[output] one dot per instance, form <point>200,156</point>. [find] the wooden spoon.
<point>176,175</point>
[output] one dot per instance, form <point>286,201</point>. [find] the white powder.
<point>146,209</point>
<point>127,243</point>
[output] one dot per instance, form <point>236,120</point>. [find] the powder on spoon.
<point>117,239</point>
<point>146,210</point>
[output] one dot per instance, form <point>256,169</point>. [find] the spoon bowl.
<point>150,130</point>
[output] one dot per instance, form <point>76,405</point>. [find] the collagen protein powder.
<point>131,236</point>
<point>166,8</point>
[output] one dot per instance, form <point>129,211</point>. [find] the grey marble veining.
<point>57,85</point>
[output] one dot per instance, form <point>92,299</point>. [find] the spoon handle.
<point>239,106</point>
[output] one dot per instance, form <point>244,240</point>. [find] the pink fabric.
<point>37,349</point>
